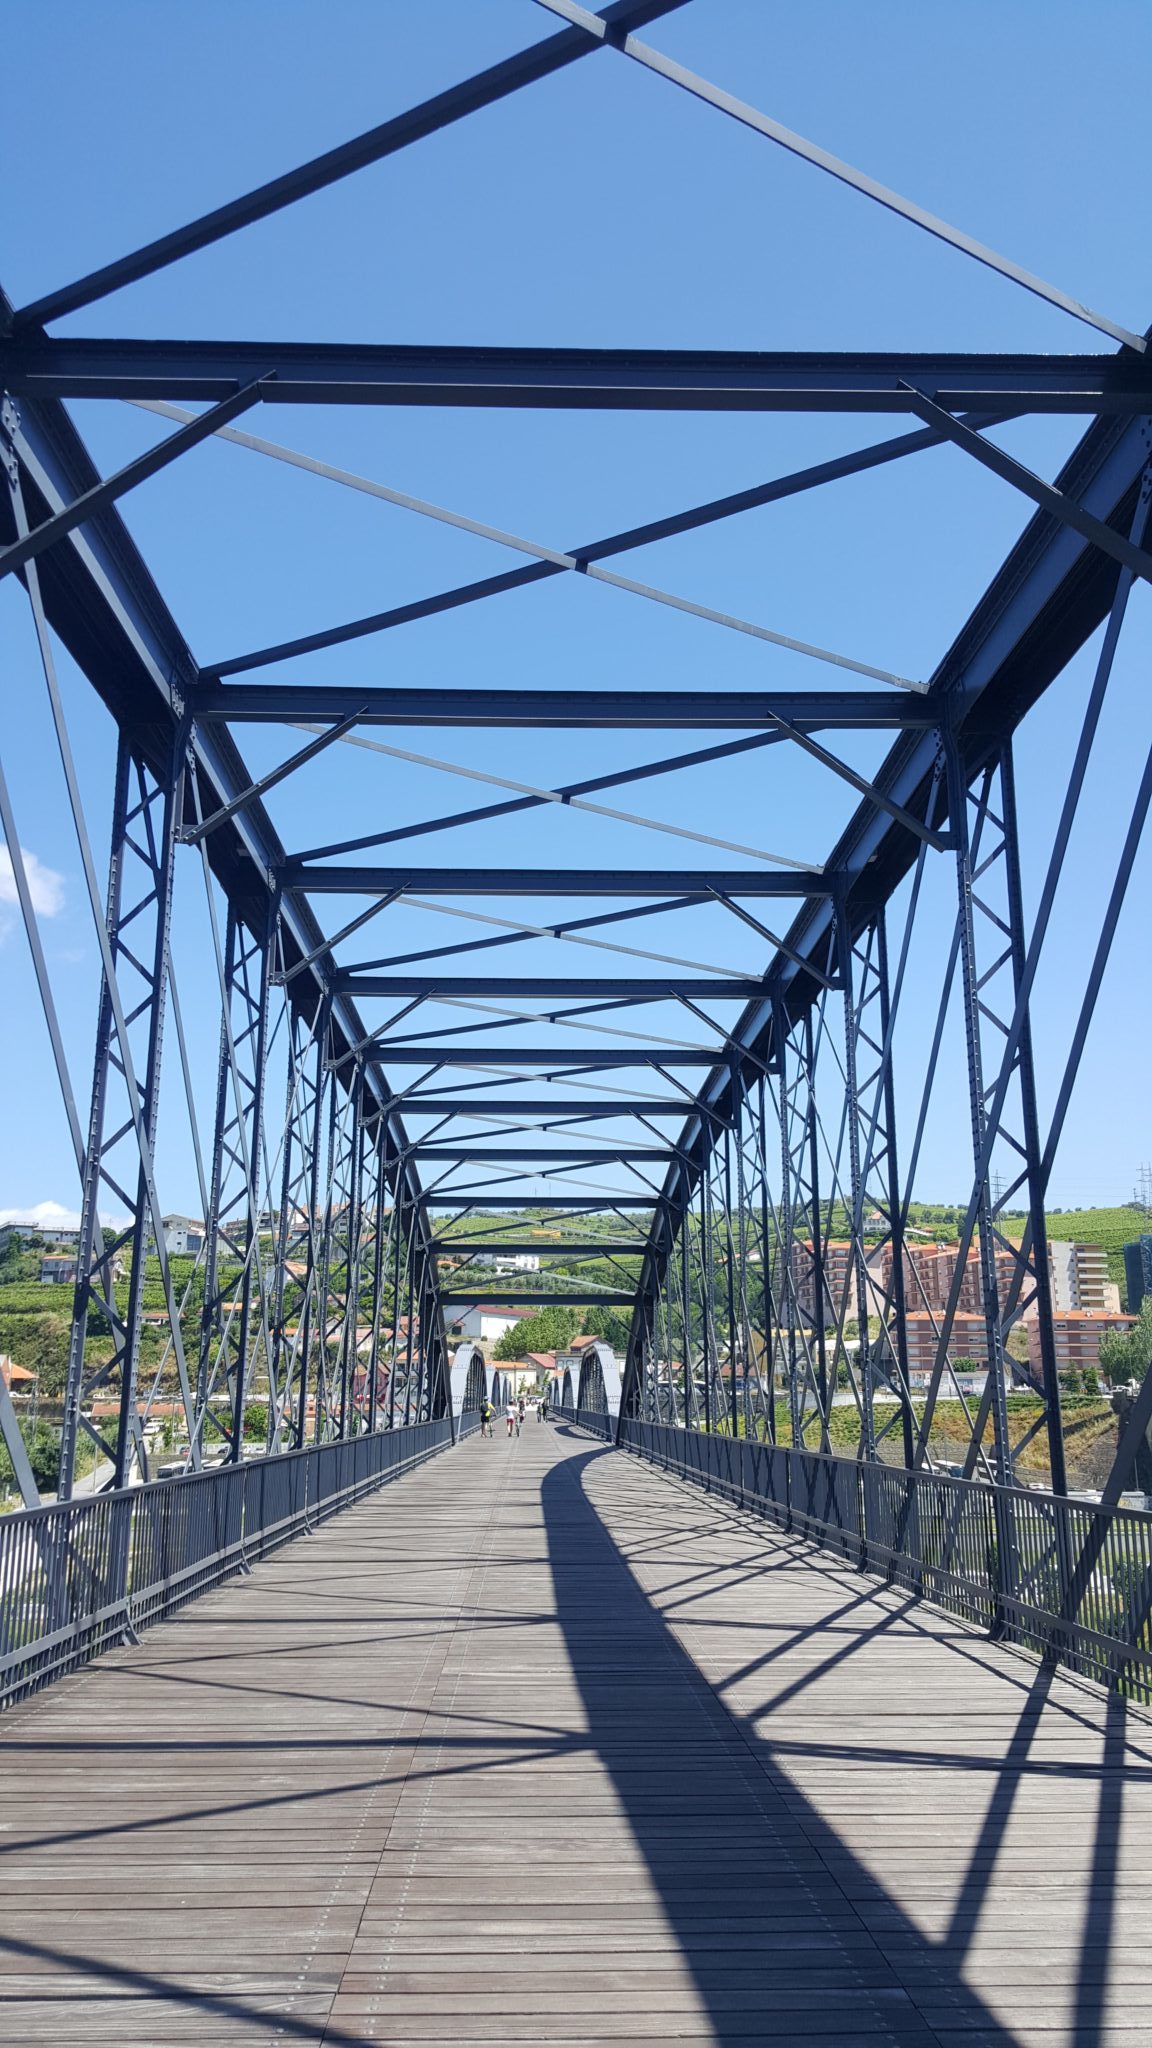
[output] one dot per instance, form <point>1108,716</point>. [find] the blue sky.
<point>599,208</point>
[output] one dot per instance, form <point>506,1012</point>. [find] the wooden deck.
<point>539,1746</point>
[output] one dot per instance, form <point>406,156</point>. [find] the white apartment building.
<point>183,1236</point>
<point>1080,1279</point>
<point>486,1325</point>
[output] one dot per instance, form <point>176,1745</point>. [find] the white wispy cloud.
<point>48,1215</point>
<point>45,886</point>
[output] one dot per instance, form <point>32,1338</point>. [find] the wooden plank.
<point>538,1745</point>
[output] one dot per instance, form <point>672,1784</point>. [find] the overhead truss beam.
<point>329,880</point>
<point>645,380</point>
<point>564,710</point>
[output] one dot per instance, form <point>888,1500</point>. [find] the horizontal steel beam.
<point>546,1248</point>
<point>552,1155</point>
<point>556,1205</point>
<point>594,1057</point>
<point>493,1105</point>
<point>565,710</point>
<point>674,380</point>
<point>579,1248</point>
<point>556,987</point>
<point>325,880</point>
<point>607,1297</point>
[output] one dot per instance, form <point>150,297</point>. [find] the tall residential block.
<point>1080,1277</point>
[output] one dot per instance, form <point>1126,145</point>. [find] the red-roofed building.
<point>544,1361</point>
<point>1077,1333</point>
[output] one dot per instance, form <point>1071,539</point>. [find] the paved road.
<point>539,1746</point>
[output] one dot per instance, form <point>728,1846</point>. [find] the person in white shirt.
<point>513,1419</point>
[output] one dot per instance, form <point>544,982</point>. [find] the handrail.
<point>78,1576</point>
<point>1070,1580</point>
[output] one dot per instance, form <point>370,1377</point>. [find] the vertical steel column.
<point>86,1252</point>
<point>766,1256</point>
<point>162,863</point>
<point>895,1199</point>
<point>378,1254</point>
<point>706,1290</point>
<point>856,1183</point>
<point>277,1379</point>
<point>397,1231</point>
<point>279,1356</point>
<point>137,923</point>
<point>1030,1130</point>
<point>820,1292</point>
<point>971,998</point>
<point>427,1340</point>
<point>323,1430</point>
<point>665,1375</point>
<point>410,1308</point>
<point>787,1231</point>
<point>324,1081</point>
<point>687,1319</point>
<point>348,1348</point>
<point>746,1349</point>
<point>208,1313</point>
<point>732,1402</point>
<point>251,1141</point>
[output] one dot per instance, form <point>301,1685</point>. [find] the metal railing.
<point>1069,1580</point>
<point>79,1577</point>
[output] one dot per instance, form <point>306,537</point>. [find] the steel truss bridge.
<point>746,1139</point>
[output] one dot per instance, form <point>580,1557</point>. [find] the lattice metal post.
<point>325,1416</point>
<point>138,913</point>
<point>380,1214</point>
<point>767,1253</point>
<point>788,1287</point>
<point>235,1208</point>
<point>1030,1133</point>
<point>971,993</point>
<point>820,1292</point>
<point>315,1128</point>
<point>800,1173</point>
<point>856,1181</point>
<point>254,1279</point>
<point>706,1291</point>
<point>687,1321</point>
<point>733,1404</point>
<point>288,1360</point>
<point>350,1334</point>
<point>895,1199</point>
<point>397,1235</point>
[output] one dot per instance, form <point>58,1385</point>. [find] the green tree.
<point>1092,1382</point>
<point>1127,1354</point>
<point>40,1343</point>
<point>551,1330</point>
<point>44,1457</point>
<point>1073,1384</point>
<point>608,1324</point>
<point>256,1420</point>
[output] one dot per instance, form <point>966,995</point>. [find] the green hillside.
<point>1113,1228</point>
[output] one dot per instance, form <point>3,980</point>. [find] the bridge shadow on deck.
<point>790,1929</point>
<point>787,1934</point>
